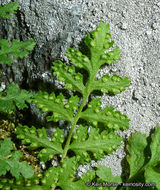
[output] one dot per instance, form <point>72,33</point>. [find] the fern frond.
<point>17,49</point>
<point>61,111</point>
<point>110,57</point>
<point>113,120</point>
<point>78,59</point>
<point>111,85</point>
<point>14,97</point>
<point>8,10</point>
<point>9,161</point>
<point>38,139</point>
<point>95,143</point>
<point>98,42</point>
<point>73,80</point>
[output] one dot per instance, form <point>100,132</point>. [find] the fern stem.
<point>85,98</point>
<point>73,127</point>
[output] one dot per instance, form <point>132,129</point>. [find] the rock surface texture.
<point>58,24</point>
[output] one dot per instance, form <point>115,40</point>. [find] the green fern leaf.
<point>80,60</point>
<point>8,10</point>
<point>113,120</point>
<point>17,49</point>
<point>14,96</point>
<point>98,42</point>
<point>110,57</point>
<point>73,80</point>
<point>9,161</point>
<point>61,110</point>
<point>38,139</point>
<point>95,143</point>
<point>114,84</point>
<point>84,145</point>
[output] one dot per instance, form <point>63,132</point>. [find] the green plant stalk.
<point>85,98</point>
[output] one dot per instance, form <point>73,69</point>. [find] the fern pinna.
<point>84,144</point>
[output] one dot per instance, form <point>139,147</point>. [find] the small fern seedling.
<point>84,145</point>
